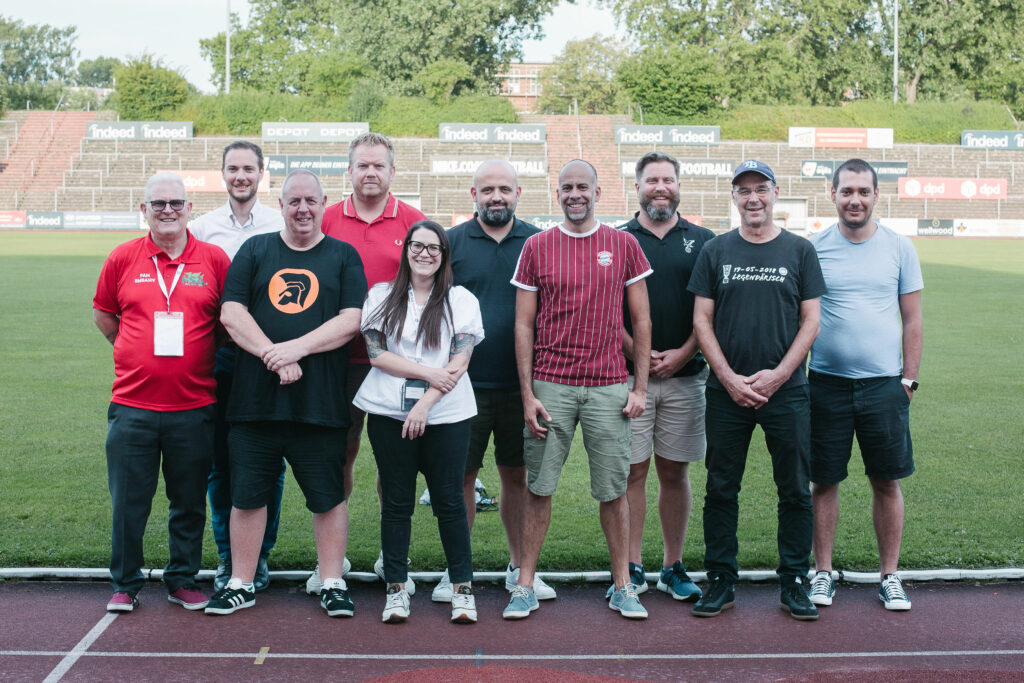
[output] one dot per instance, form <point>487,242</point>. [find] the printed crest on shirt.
<point>293,290</point>
<point>604,258</point>
<point>193,280</point>
<point>688,245</point>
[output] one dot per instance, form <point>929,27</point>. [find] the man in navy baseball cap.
<point>754,166</point>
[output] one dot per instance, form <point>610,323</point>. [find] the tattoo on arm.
<point>376,344</point>
<point>461,343</point>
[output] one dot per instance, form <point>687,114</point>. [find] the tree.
<point>97,73</point>
<point>441,79</point>
<point>671,84</point>
<point>35,60</point>
<point>147,90</point>
<point>584,72</point>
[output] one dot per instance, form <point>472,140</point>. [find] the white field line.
<point>80,649</point>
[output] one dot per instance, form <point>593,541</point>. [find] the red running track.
<point>959,632</point>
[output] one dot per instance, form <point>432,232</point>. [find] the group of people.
<point>656,338</point>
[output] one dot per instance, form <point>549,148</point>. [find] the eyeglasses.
<point>418,247</point>
<point>159,205</point>
<point>761,191</point>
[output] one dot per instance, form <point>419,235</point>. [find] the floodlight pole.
<point>895,49</point>
<point>227,51</point>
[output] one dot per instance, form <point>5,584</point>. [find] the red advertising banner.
<point>841,138</point>
<point>12,219</point>
<point>952,188</point>
<point>210,181</point>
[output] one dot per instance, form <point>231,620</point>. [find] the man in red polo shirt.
<point>158,301</point>
<point>373,221</point>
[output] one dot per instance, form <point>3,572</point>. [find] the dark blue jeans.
<point>440,454</point>
<point>219,485</point>
<point>786,422</point>
<point>141,443</point>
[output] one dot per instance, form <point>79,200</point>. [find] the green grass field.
<point>964,507</point>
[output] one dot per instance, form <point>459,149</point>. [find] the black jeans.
<point>136,440</point>
<point>440,454</point>
<point>786,422</point>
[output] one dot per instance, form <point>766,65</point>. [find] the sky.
<point>171,29</point>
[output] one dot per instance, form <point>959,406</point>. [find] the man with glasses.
<point>756,314</point>
<point>373,221</point>
<point>157,302</point>
<point>292,300</point>
<point>240,218</point>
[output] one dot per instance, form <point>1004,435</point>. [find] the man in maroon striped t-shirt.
<point>568,331</point>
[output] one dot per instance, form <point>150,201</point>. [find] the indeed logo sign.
<point>101,130</point>
<point>667,135</point>
<point>44,219</point>
<point>162,131</point>
<point>991,139</point>
<point>514,134</point>
<point>139,130</point>
<point>519,134</point>
<point>464,133</point>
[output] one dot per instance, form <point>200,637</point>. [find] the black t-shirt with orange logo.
<point>290,293</point>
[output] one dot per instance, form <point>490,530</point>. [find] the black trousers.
<point>786,422</point>
<point>141,443</point>
<point>440,454</point>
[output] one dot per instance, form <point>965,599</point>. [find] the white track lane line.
<point>80,649</point>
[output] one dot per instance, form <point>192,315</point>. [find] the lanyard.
<point>160,281</point>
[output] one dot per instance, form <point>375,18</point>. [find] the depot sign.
<point>139,130</point>
<point>468,166</point>
<point>845,138</point>
<point>668,135</point>
<point>992,139</point>
<point>511,133</point>
<point>211,181</point>
<point>284,131</point>
<point>952,188</point>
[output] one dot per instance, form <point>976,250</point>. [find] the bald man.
<point>568,336</point>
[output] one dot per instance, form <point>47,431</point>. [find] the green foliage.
<point>963,504</point>
<point>34,61</point>
<point>670,83</point>
<point>32,95</point>
<point>148,91</point>
<point>334,76</point>
<point>584,72</point>
<point>419,117</point>
<point>97,73</point>
<point>366,100</point>
<point>443,78</point>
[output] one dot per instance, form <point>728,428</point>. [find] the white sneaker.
<point>463,606</point>
<point>540,589</point>
<point>892,595</point>
<point>443,590</point>
<point>396,609</point>
<point>314,584</point>
<point>378,569</point>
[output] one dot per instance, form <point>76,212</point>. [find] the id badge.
<point>168,334</point>
<point>412,391</point>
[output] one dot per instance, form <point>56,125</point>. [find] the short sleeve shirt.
<point>672,258</point>
<point>485,267</point>
<point>757,289</point>
<point>290,293</point>
<point>381,393</point>
<point>220,227</point>
<point>580,280</point>
<point>379,244</point>
<point>861,333</point>
<point>128,288</point>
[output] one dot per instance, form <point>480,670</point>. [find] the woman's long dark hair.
<point>390,315</point>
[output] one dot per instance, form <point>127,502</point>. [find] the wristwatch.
<point>909,383</point>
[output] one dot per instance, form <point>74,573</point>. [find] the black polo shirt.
<point>672,259</point>
<point>485,268</point>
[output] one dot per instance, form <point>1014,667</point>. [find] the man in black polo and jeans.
<point>756,314</point>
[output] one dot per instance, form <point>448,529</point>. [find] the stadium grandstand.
<point>51,168</point>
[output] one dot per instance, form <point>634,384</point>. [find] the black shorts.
<point>499,411</point>
<point>876,410</point>
<point>315,453</point>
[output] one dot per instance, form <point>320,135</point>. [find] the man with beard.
<point>373,221</point>
<point>242,217</point>
<point>485,250</point>
<point>863,373</point>
<point>672,425</point>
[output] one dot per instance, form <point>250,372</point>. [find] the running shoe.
<point>892,594</point>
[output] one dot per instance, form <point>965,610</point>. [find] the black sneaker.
<point>794,598</point>
<point>223,575</point>
<point>261,580</point>
<point>720,595</point>
<point>336,602</point>
<point>229,600</point>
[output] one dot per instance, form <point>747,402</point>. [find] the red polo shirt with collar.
<point>128,288</point>
<point>379,244</point>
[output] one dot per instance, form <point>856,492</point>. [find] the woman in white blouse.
<point>420,332</point>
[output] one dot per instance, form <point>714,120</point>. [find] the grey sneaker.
<point>463,606</point>
<point>823,589</point>
<point>625,602</point>
<point>541,589</point>
<point>443,590</point>
<point>396,608</point>
<point>522,602</point>
<point>637,576</point>
<point>314,585</point>
<point>378,569</point>
<point>892,595</point>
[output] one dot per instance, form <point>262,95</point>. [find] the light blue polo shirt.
<point>861,329</point>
